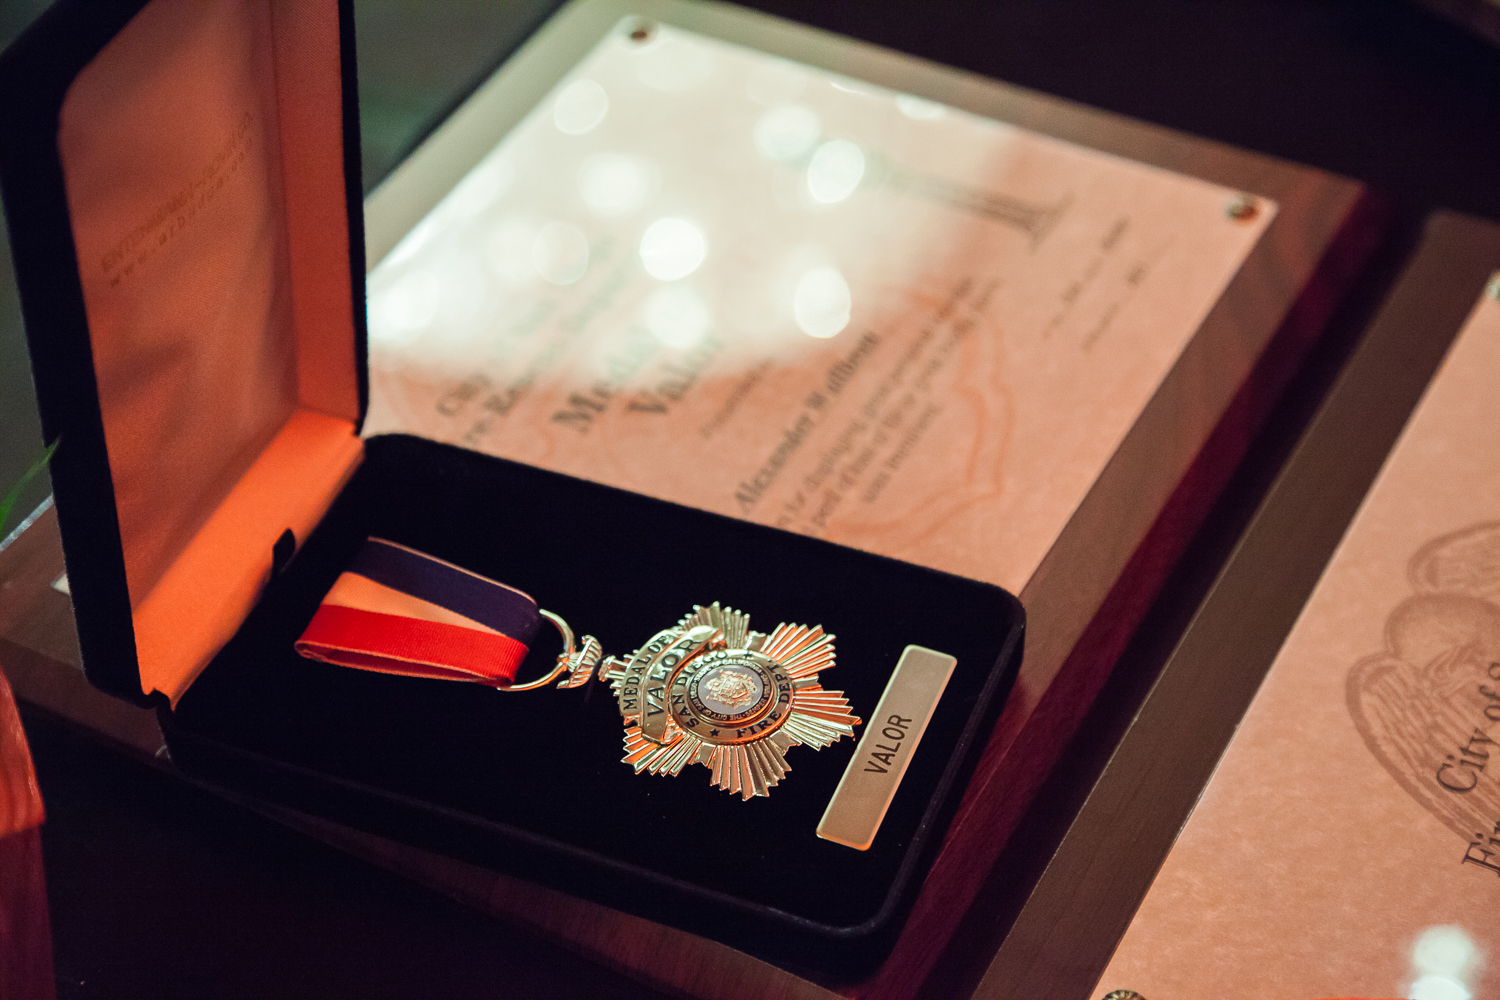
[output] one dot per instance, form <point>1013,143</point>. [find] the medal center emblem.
<point>731,696</point>
<point>730,689</point>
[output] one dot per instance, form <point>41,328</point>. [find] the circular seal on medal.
<point>729,688</point>
<point>731,696</point>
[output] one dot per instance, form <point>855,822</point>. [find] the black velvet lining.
<point>540,772</point>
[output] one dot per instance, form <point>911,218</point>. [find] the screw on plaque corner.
<point>1493,288</point>
<point>1242,208</point>
<point>641,32</point>
<point>1124,995</point>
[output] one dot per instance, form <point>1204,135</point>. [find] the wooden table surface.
<point>160,888</point>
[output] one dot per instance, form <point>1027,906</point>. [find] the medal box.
<point>181,185</point>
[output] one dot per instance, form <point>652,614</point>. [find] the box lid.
<point>181,183</point>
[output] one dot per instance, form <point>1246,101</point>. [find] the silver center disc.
<point>730,690</point>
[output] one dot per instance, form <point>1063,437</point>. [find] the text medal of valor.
<point>707,691</point>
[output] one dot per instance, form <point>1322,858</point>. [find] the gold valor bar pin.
<point>869,784</point>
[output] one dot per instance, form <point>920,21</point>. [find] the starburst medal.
<point>710,691</point>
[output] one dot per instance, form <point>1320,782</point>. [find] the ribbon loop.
<point>399,611</point>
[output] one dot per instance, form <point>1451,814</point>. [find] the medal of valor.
<point>708,690</point>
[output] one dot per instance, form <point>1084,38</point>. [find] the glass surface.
<point>704,273</point>
<point>417,59</point>
<point>20,429</point>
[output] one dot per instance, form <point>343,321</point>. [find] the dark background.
<point>159,889</point>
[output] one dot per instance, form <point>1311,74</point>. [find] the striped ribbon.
<point>399,611</point>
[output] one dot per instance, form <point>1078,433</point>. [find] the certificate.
<point>1373,728</point>
<point>760,288</point>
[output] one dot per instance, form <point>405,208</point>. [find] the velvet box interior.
<point>532,782</point>
<point>181,183</point>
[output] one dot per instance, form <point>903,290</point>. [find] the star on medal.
<point>711,691</point>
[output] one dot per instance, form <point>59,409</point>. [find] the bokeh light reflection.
<point>1446,963</point>
<point>672,248</point>
<point>835,171</point>
<point>822,303</point>
<point>507,250</point>
<point>677,316</point>
<point>560,253</point>
<point>614,184</point>
<point>670,63</point>
<point>580,107</point>
<point>919,108</point>
<point>787,132</point>
<point>398,314</point>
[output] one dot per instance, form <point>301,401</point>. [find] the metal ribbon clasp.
<point>576,661</point>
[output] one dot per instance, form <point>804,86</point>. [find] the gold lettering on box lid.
<point>890,739</point>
